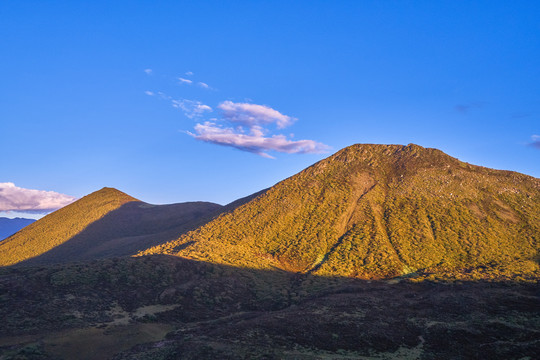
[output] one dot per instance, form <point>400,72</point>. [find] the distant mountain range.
<point>9,226</point>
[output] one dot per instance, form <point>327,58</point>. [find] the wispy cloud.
<point>191,108</point>
<point>535,143</point>
<point>148,71</point>
<point>13,198</point>
<point>185,81</point>
<point>164,96</point>
<point>520,115</point>
<point>255,141</point>
<point>465,108</point>
<point>254,115</point>
<point>242,125</point>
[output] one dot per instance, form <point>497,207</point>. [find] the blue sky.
<point>79,112</point>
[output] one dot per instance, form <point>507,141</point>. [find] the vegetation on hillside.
<point>378,211</point>
<point>126,306</point>
<point>105,224</point>
<point>60,226</point>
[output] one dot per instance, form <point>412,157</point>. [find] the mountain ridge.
<point>105,223</point>
<point>378,211</point>
<point>28,243</point>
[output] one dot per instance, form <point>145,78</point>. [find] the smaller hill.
<point>106,223</point>
<point>9,227</point>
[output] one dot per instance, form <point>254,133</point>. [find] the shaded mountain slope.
<point>103,224</point>
<point>9,227</point>
<point>375,211</point>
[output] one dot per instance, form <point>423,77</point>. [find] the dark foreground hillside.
<point>162,307</point>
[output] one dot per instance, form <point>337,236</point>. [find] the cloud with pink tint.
<point>13,198</point>
<point>191,108</point>
<point>255,141</point>
<point>254,115</point>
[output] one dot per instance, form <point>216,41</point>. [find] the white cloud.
<point>254,115</point>
<point>203,85</point>
<point>149,93</point>
<point>185,81</point>
<point>148,71</point>
<point>189,73</point>
<point>164,96</point>
<point>254,142</point>
<point>13,198</point>
<point>191,108</point>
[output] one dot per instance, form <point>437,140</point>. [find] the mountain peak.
<point>376,211</point>
<point>376,154</point>
<point>111,192</point>
<point>61,225</point>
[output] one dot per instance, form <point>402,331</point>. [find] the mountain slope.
<point>9,227</point>
<point>103,224</point>
<point>376,211</point>
<point>61,225</point>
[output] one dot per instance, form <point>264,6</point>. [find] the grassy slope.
<point>374,211</point>
<point>60,226</point>
<point>104,224</point>
<point>130,228</point>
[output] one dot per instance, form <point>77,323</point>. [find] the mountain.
<point>297,271</point>
<point>380,211</point>
<point>9,227</point>
<point>103,224</point>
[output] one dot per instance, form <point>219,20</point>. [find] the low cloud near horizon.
<point>245,130</point>
<point>14,198</point>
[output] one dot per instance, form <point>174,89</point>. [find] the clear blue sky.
<point>79,112</point>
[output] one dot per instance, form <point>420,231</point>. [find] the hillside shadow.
<point>133,227</point>
<point>221,311</point>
